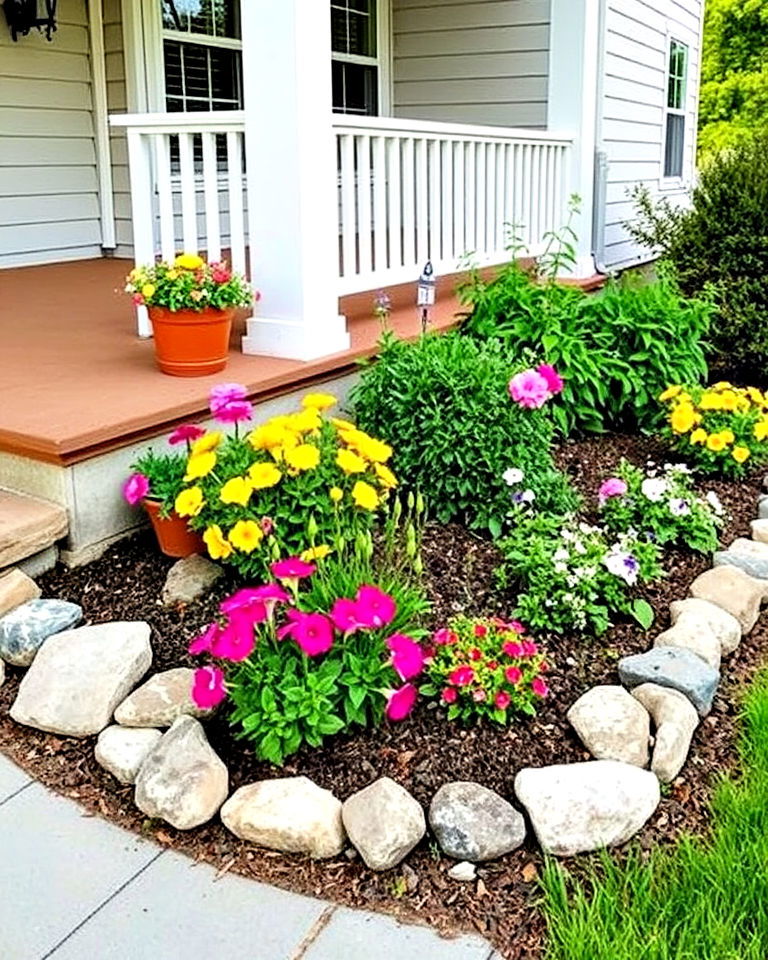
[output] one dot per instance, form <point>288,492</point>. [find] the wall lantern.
<point>22,17</point>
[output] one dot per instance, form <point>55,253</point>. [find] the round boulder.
<point>473,823</point>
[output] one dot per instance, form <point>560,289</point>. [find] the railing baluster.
<point>142,212</point>
<point>162,156</point>
<point>433,147</point>
<point>379,204</point>
<point>211,198</point>
<point>470,201</point>
<point>236,203</point>
<point>482,199</point>
<point>394,180</point>
<point>188,193</point>
<point>490,194</point>
<point>447,201</point>
<point>459,200</point>
<point>501,197</point>
<point>422,202</point>
<point>409,203</point>
<point>364,214</point>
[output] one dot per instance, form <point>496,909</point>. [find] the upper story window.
<point>356,59</point>
<point>674,142</point>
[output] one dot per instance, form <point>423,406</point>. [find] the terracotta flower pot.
<point>174,537</point>
<point>189,343</point>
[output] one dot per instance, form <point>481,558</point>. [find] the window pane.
<point>678,69</point>
<point>355,88</point>
<point>675,145</point>
<point>353,27</point>
<point>214,18</point>
<point>201,77</point>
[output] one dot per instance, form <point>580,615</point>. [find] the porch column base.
<point>295,340</point>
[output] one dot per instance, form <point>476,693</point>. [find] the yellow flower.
<point>375,450</point>
<point>305,421</point>
<point>269,435</point>
<point>316,553</point>
<point>148,290</point>
<point>208,441</point>
<point>669,393</point>
<point>683,418</point>
<point>729,400</point>
<point>342,424</point>
<point>237,490</point>
<point>699,436</point>
<point>218,547</point>
<point>740,454</point>
<point>727,435</point>
<point>336,494</point>
<point>318,401</point>
<point>172,274</point>
<point>756,395</point>
<point>365,496</point>
<point>722,385</point>
<point>188,261</point>
<point>189,502</point>
<point>199,465</point>
<point>385,475</point>
<point>710,401</point>
<point>349,462</point>
<point>246,535</point>
<point>263,475</point>
<point>715,442</point>
<point>304,457</point>
<point>761,429</point>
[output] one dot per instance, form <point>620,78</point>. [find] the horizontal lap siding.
<point>49,206</point>
<point>475,61</point>
<point>117,102</point>
<point>633,116</point>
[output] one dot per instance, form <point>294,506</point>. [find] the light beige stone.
<point>700,641</point>
<point>160,700</point>
<point>291,814</point>
<point>760,530</point>
<point>612,725</point>
<point>734,591</point>
<point>27,526</point>
<point>189,579</point>
<point>122,750</point>
<point>703,615</point>
<point>16,588</point>
<point>675,720</point>
<point>384,823</point>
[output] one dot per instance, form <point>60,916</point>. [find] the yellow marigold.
<point>740,454</point>
<point>218,547</point>
<point>148,290</point>
<point>721,385</point>
<point>304,457</point>
<point>188,261</point>
<point>729,400</point>
<point>669,393</point>
<point>336,494</point>
<point>342,424</point>
<point>350,462</point>
<point>199,465</point>
<point>318,401</point>
<point>207,442</point>
<point>727,435</point>
<point>365,496</point>
<point>172,274</point>
<point>716,443</point>
<point>710,401</point>
<point>385,475</point>
<point>755,395</point>
<point>269,435</point>
<point>263,475</point>
<point>305,421</point>
<point>189,502</point>
<point>699,436</point>
<point>375,450</point>
<point>683,418</point>
<point>316,553</point>
<point>761,430</point>
<point>246,535</point>
<point>237,490</point>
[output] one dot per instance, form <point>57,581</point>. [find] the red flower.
<point>493,664</point>
<point>475,654</point>
<point>449,695</point>
<point>220,272</point>
<point>480,630</point>
<point>204,643</point>
<point>236,641</point>
<point>186,433</point>
<point>540,688</point>
<point>461,676</point>
<point>444,637</point>
<point>513,675</point>
<point>502,700</point>
<point>293,568</point>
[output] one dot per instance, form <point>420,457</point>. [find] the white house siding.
<point>49,207</point>
<point>117,102</point>
<point>474,61</point>
<point>632,122</point>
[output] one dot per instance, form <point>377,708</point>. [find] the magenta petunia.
<point>513,675</point>
<point>236,641</point>
<point>400,702</point>
<point>236,411</point>
<point>407,656</point>
<point>374,607</point>
<point>225,393</point>
<point>186,433</point>
<point>135,488</point>
<point>529,648</point>
<point>444,637</point>
<point>248,601</point>
<point>312,632</point>
<point>480,630</point>
<point>208,688</point>
<point>540,687</point>
<point>344,615</point>
<point>529,389</point>
<point>292,568</point>
<point>502,700</point>
<point>512,649</point>
<point>204,643</point>
<point>461,676</point>
<point>449,695</point>
<point>554,380</point>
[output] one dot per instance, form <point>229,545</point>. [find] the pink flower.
<point>475,654</point>
<point>540,687</point>
<point>204,643</point>
<point>236,641</point>
<point>613,487</point>
<point>374,607</point>
<point>138,300</point>
<point>479,696</point>
<point>247,602</point>
<point>208,688</point>
<point>512,649</point>
<point>400,702</point>
<point>225,393</point>
<point>234,412</point>
<point>270,594</point>
<point>220,272</point>
<point>293,568</point>
<point>553,378</point>
<point>529,648</point>
<point>516,626</point>
<point>444,637</point>
<point>480,630</point>
<point>407,656</point>
<point>493,664</point>
<point>461,676</point>
<point>312,632</point>
<point>529,389</point>
<point>449,695</point>
<point>513,675</point>
<point>267,525</point>
<point>344,615</point>
<point>135,488</point>
<point>186,433</point>
<point>502,700</point>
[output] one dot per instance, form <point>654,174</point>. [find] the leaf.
<point>642,611</point>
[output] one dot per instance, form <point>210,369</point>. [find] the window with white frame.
<point>674,141</point>
<point>356,57</point>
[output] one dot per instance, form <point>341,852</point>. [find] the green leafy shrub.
<point>443,403</point>
<point>616,350</point>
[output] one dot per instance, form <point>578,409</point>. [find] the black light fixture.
<point>22,16</point>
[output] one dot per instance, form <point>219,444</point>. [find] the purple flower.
<point>135,488</point>
<point>622,565</point>
<point>225,393</point>
<point>679,508</point>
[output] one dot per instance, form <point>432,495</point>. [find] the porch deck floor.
<point>75,379</point>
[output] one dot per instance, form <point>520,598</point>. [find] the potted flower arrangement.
<point>156,482</point>
<point>191,304</point>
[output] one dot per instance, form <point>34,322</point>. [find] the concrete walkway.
<point>77,888</point>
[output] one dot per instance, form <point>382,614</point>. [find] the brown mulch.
<point>424,752</point>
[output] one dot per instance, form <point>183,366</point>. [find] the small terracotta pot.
<point>174,537</point>
<point>191,343</point>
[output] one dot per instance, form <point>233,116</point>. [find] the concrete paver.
<point>12,779</point>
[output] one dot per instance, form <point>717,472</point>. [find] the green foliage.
<point>664,506</point>
<point>704,898</point>
<point>189,283</point>
<point>444,405</point>
<point>616,350</point>
<point>165,472</point>
<point>572,576</point>
<point>718,248</point>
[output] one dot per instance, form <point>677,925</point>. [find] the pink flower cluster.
<point>229,404</point>
<point>135,488</point>
<point>532,388</point>
<point>612,487</point>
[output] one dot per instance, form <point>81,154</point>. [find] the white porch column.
<point>574,66</point>
<point>292,179</point>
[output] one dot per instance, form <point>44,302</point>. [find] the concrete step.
<point>28,527</point>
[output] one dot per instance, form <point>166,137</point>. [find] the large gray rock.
<point>473,823</point>
<point>675,720</point>
<point>702,642</point>
<point>579,807</point>
<point>292,814</point>
<point>701,615</point>
<point>189,579</point>
<point>160,700</point>
<point>760,530</point>
<point>676,668</point>
<point>182,780</point>
<point>734,591</point>
<point>762,508</point>
<point>24,630</point>
<point>748,555</point>
<point>78,678</point>
<point>612,725</point>
<point>384,823</point>
<point>16,588</point>
<point>122,751</point>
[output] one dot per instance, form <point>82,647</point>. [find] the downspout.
<point>101,126</point>
<point>599,198</point>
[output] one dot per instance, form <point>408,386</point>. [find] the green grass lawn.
<point>705,898</point>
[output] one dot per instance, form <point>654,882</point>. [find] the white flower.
<point>714,501</point>
<point>513,476</point>
<point>679,508</point>
<point>527,496</point>
<point>560,554</point>
<point>579,547</point>
<point>653,489</point>
<point>561,568</point>
<point>622,565</point>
